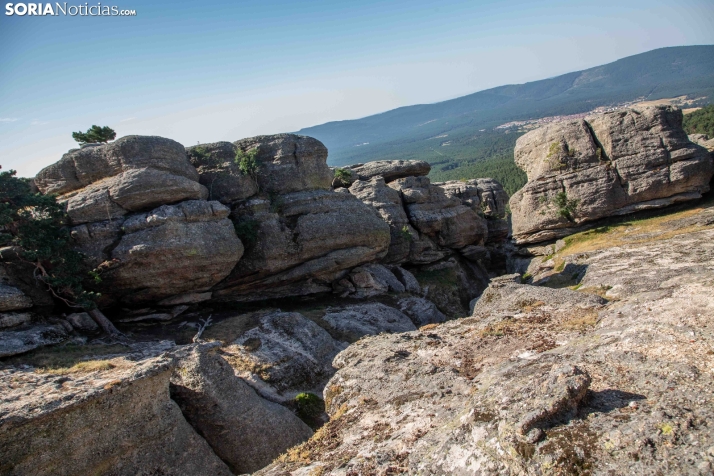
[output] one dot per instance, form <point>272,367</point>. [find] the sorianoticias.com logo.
<point>56,9</point>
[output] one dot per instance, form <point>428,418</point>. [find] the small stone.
<point>82,322</point>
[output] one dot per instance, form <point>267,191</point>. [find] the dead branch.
<point>201,328</point>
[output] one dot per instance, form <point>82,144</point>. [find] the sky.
<point>205,71</point>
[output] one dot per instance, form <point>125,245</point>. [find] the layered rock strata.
<point>609,164</point>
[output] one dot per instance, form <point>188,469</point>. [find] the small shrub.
<point>343,175</point>
<point>564,206</point>
<point>248,164</point>
<point>406,234</point>
<point>309,408</point>
<point>199,154</point>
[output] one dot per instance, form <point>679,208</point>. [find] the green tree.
<point>36,224</point>
<point>700,122</point>
<point>95,134</point>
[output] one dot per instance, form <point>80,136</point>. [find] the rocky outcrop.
<point>703,140</point>
<point>443,219</point>
<point>245,431</point>
<point>389,170</point>
<point>119,420</point>
<point>610,164</point>
<point>300,242</point>
<point>135,173</point>
<point>27,338</point>
<point>369,280</point>
<point>288,163</point>
<point>421,311</point>
<point>284,355</point>
<point>219,171</point>
<point>367,319</point>
<point>540,380</point>
<point>12,299</point>
<point>169,251</point>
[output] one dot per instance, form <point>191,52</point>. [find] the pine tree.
<point>95,134</point>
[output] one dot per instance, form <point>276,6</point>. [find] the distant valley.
<point>474,135</point>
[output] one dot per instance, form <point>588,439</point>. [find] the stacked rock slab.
<point>609,164</point>
<point>485,196</point>
<point>135,173</point>
<point>169,251</point>
<point>444,219</point>
<point>138,208</point>
<point>300,235</point>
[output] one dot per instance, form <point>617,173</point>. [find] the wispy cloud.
<point>128,119</point>
<point>38,123</point>
<point>8,119</point>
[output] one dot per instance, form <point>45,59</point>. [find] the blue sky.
<point>223,70</point>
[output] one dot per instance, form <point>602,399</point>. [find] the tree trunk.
<point>103,322</point>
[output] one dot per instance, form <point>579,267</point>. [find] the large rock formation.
<point>610,164</point>
<point>171,250</point>
<point>540,380</point>
<point>298,243</point>
<point>135,173</point>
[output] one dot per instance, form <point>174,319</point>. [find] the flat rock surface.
<point>539,380</point>
<point>391,170</point>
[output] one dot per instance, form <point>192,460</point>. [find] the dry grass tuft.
<point>81,367</point>
<point>581,321</point>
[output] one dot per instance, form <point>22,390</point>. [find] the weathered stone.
<point>188,298</point>
<point>452,284</point>
<point>494,198</point>
<point>498,231</point>
<point>388,203</point>
<point>12,299</point>
<point>172,250</point>
<point>219,172</point>
<point>373,279</point>
<point>96,240</point>
<point>703,140</point>
<point>82,322</point>
<point>301,243</point>
<point>421,311</point>
<point>444,219</point>
<point>155,317</point>
<point>407,279</point>
<point>133,173</point>
<point>390,170</point>
<point>289,163</point>
<point>368,319</point>
<point>285,355</point>
<point>117,421</point>
<point>610,164</point>
<point>12,319</point>
<point>476,253</point>
<point>245,431</point>
<point>17,342</point>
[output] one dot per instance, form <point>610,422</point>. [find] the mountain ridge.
<point>466,123</point>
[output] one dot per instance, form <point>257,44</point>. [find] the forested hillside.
<point>458,137</point>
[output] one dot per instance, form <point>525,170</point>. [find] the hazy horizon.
<point>223,71</point>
